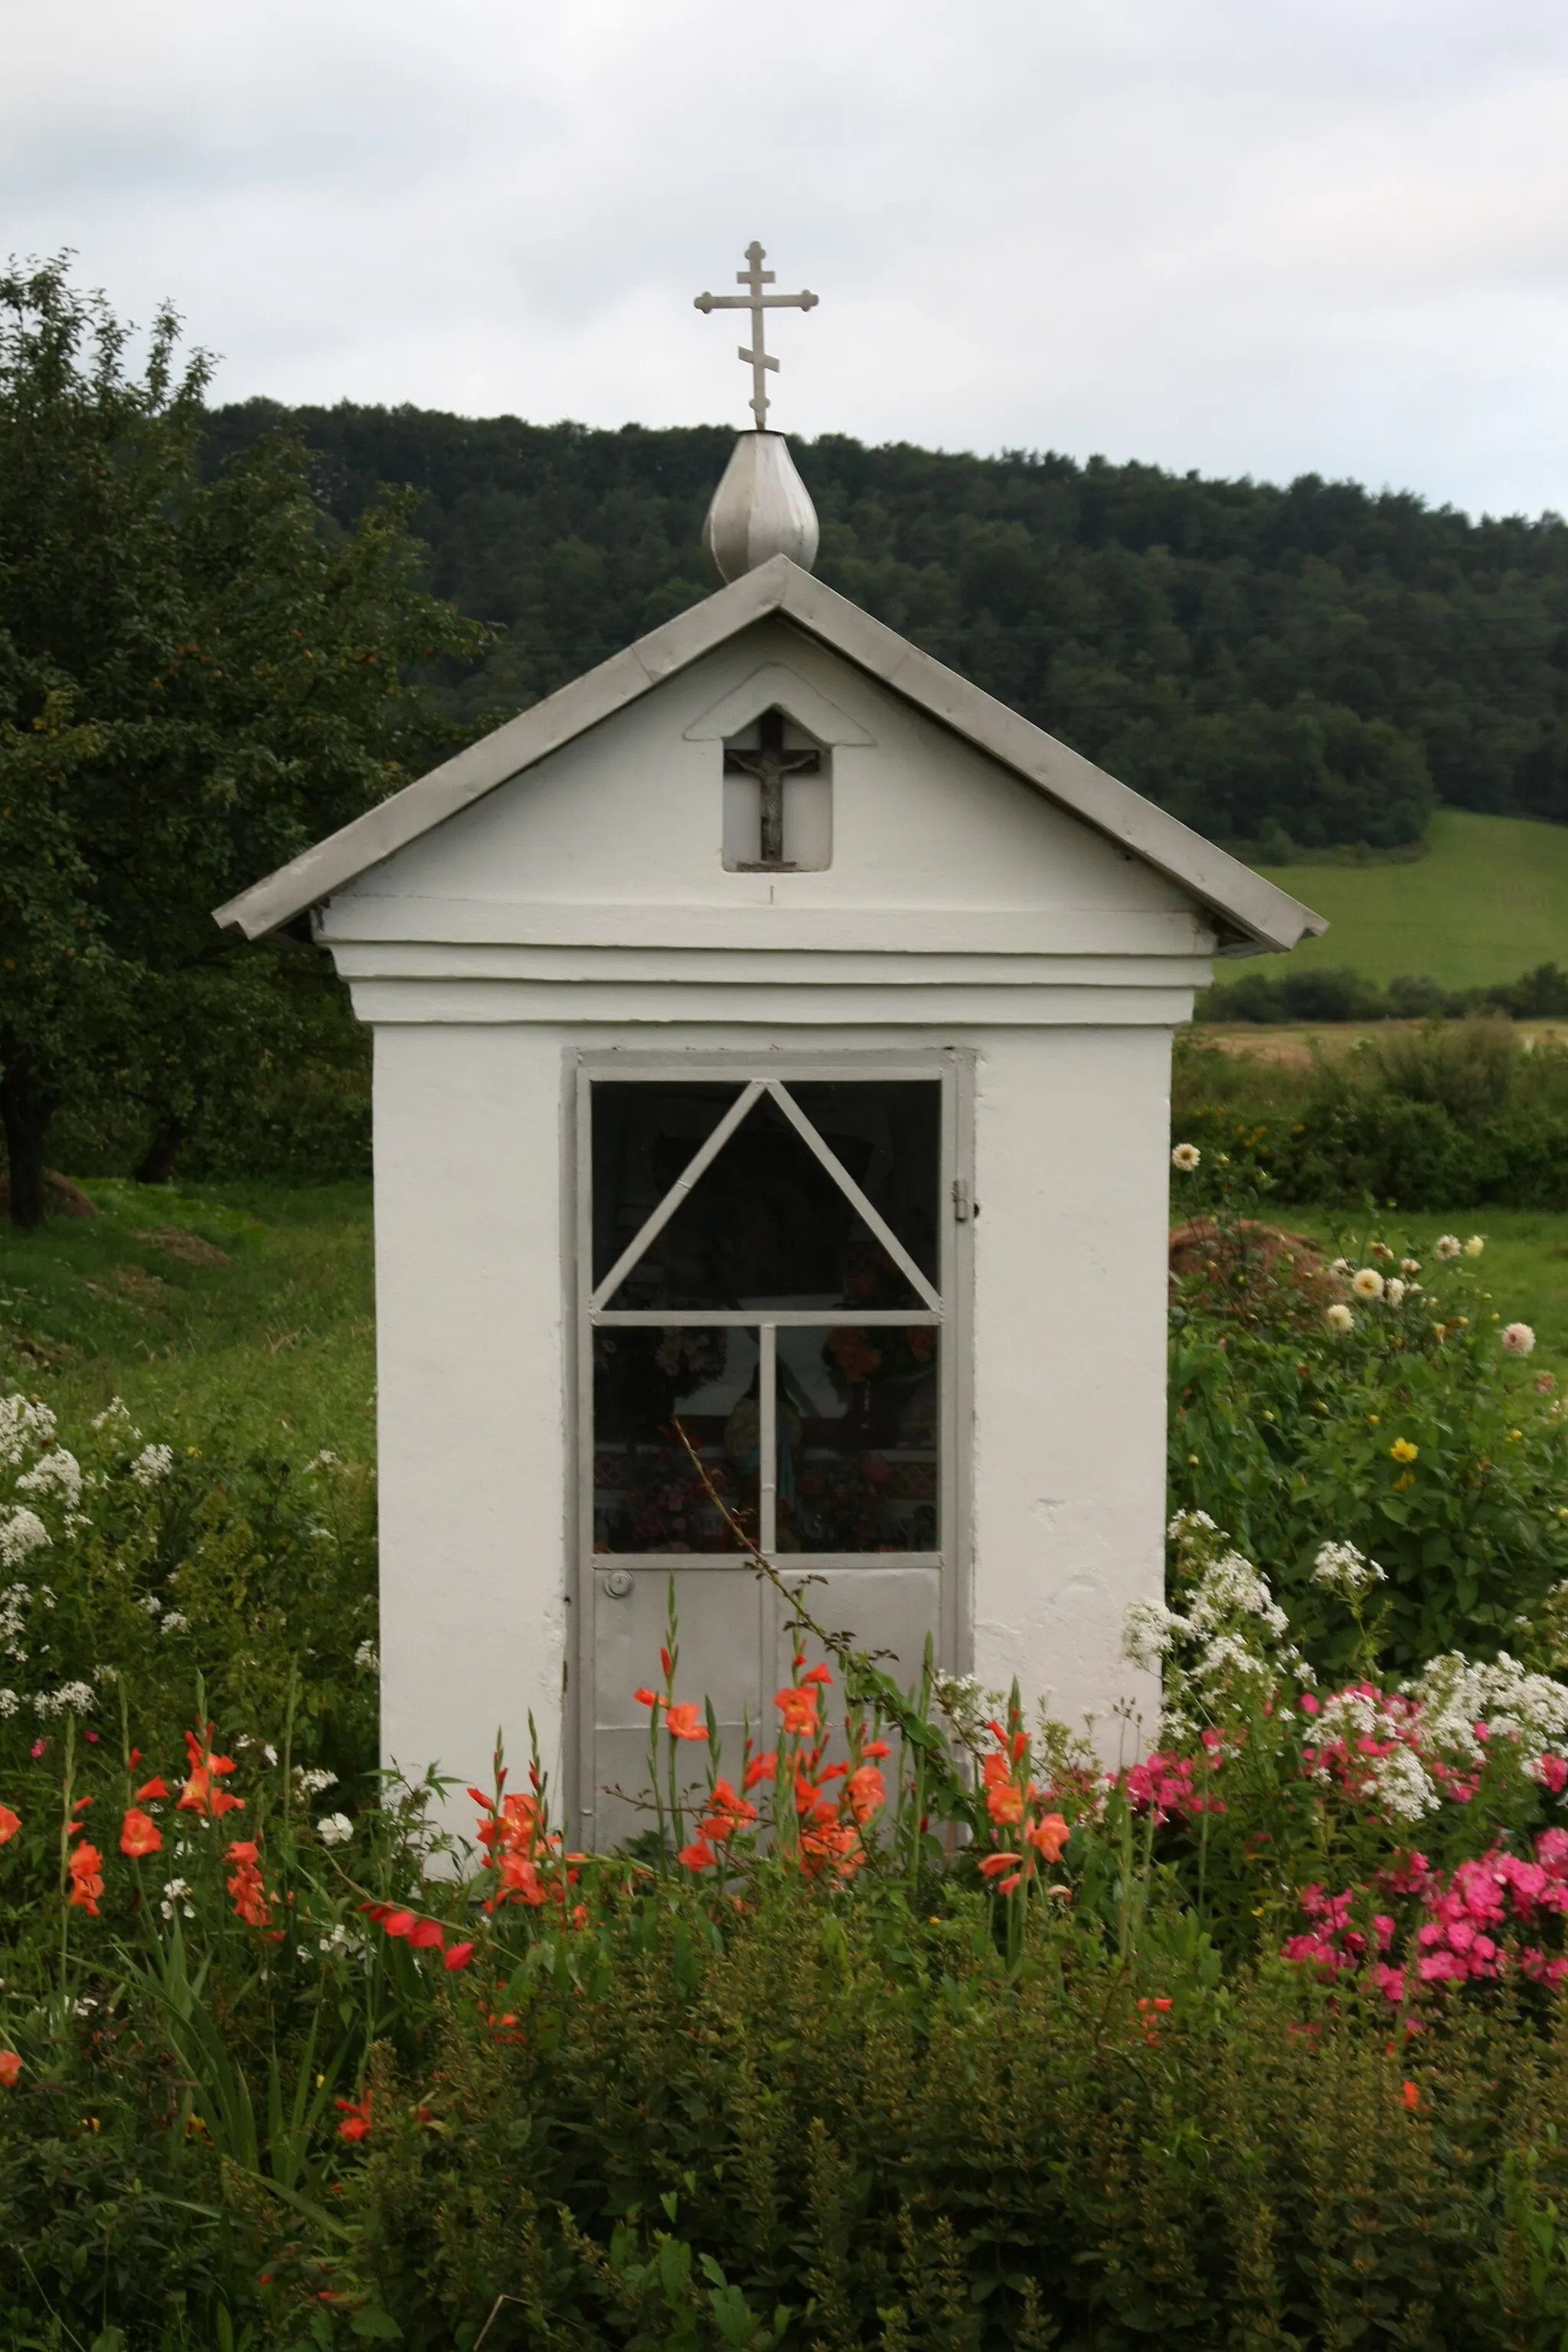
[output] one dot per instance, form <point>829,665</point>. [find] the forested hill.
<point>1314,662</point>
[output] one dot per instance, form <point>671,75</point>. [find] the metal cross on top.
<point>754,277</point>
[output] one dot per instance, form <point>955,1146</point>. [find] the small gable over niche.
<point>777,732</point>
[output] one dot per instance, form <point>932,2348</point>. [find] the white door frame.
<point>948,1308</point>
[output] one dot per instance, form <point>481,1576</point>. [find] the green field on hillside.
<point>1489,900</point>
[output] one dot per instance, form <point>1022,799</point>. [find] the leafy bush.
<point>932,2029</point>
<point>1412,1432</point>
<point>1330,993</point>
<point>1452,1117</point>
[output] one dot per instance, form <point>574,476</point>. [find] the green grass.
<point>1489,900</point>
<point>276,1348</point>
<point>1525,1265</point>
<point>272,1346</point>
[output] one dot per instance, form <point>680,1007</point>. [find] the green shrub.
<point>1452,1117</point>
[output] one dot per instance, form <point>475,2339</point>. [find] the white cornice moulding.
<point>776,688</point>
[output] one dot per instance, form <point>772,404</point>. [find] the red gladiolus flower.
<point>85,1865</point>
<point>459,1956</point>
<point>876,1749</point>
<point>817,1674</point>
<point>10,1823</point>
<point>139,1835</point>
<point>683,1722</point>
<point>356,2117</point>
<point>10,2067</point>
<point>798,1708</point>
<point>865,1791</point>
<point>698,1856</point>
<point>1411,2096</point>
<point>762,1768</point>
<point>645,1697</point>
<point>429,1936</point>
<point>399,1923</point>
<point>251,1902</point>
<point>151,1791</point>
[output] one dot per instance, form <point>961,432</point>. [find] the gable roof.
<point>1252,916</point>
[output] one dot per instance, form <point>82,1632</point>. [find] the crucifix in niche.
<point>758,834</point>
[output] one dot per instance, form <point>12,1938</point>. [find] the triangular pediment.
<point>1246,912</point>
<point>775,686</point>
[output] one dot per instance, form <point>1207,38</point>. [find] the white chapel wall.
<point>472,1285</point>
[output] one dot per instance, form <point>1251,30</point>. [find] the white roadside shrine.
<point>773,1037</point>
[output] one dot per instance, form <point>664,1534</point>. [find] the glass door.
<point>767,1357</point>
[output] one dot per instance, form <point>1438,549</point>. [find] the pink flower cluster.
<point>1468,1928</point>
<point>1398,1722</point>
<point>1162,1784</point>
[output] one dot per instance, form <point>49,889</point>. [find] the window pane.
<point>859,1431</point>
<point>767,1226</point>
<point>647,1497</point>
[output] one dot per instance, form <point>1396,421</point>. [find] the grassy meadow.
<point>1486,902</point>
<point>245,1316</point>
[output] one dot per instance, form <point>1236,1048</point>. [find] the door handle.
<point>618,1583</point>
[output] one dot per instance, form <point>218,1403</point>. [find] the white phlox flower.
<point>1400,1784</point>
<point>55,1473</point>
<point>175,1623</point>
<point>152,1465</point>
<point>1456,1693</point>
<point>335,1829</point>
<point>1148,1630</point>
<point>310,1779</point>
<point>1188,1526</point>
<point>21,1532</point>
<point>1340,1569</point>
<point>72,1698</point>
<point>366,1656</point>
<point>25,1428</point>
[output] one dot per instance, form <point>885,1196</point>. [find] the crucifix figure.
<point>770,764</point>
<point>754,277</point>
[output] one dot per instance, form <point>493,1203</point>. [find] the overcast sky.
<point>1261,237</point>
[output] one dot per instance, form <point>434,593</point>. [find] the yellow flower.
<point>1403,1450</point>
<point>1374,1418</point>
<point>1515,1432</point>
<point>1406,1478</point>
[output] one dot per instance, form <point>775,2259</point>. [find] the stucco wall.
<point>1066,1367</point>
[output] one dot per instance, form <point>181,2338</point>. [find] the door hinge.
<point>963,1207</point>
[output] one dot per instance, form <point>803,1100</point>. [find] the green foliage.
<point>1448,1116</point>
<point>1324,993</point>
<point>1293,1433</point>
<point>197,679</point>
<point>1305,665</point>
<point>243,1315</point>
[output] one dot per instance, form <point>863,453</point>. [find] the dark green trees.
<point>197,678</point>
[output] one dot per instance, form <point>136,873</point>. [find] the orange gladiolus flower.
<point>798,1708</point>
<point>1004,1801</point>
<point>10,2067</point>
<point>1048,1837</point>
<point>698,1856</point>
<point>151,1791</point>
<point>1411,2096</point>
<point>762,1768</point>
<point>865,1791</point>
<point>200,1793</point>
<point>139,1835</point>
<point>10,1823</point>
<point>645,1697</point>
<point>992,1864</point>
<point>817,1674</point>
<point>85,1865</point>
<point>683,1722</point>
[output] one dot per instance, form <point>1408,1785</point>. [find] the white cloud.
<point>1249,235</point>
